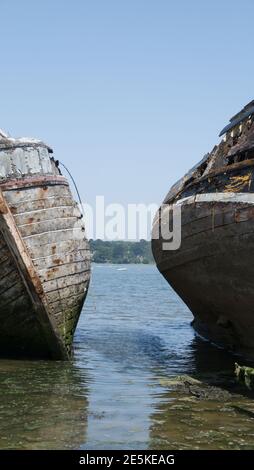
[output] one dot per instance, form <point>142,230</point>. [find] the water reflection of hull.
<point>208,416</point>
<point>43,406</point>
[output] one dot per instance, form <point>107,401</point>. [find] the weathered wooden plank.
<point>63,305</point>
<point>17,162</point>
<point>58,248</point>
<point>29,276</point>
<point>53,238</point>
<point>43,181</point>
<point>196,211</point>
<point>4,256</point>
<point>43,215</point>
<point>199,246</point>
<point>67,292</point>
<point>2,243</point>
<point>222,231</point>
<point>7,282</point>
<point>28,195</point>
<point>41,204</point>
<point>62,270</point>
<point>61,258</point>
<point>66,281</point>
<point>10,297</point>
<point>214,233</point>
<point>6,267</point>
<point>193,224</point>
<point>47,226</point>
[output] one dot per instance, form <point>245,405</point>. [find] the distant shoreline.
<point>124,264</point>
<point>121,252</point>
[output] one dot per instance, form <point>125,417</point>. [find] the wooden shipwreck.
<point>213,269</point>
<point>44,255</point>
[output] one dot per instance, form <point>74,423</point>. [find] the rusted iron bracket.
<point>30,279</point>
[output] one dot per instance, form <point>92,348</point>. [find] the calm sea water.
<point>133,339</point>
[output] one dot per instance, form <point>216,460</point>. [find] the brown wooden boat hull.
<point>44,256</point>
<point>213,270</point>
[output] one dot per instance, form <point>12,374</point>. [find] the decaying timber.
<point>44,255</point>
<point>213,270</point>
<point>245,376</point>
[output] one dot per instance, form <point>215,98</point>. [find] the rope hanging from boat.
<point>75,186</point>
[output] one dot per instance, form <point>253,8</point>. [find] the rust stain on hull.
<point>42,181</point>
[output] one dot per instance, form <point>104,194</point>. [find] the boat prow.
<point>44,255</point>
<point>213,269</point>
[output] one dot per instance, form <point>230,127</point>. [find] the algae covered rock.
<point>245,375</point>
<point>195,388</point>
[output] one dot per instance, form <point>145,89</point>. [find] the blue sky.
<point>129,93</point>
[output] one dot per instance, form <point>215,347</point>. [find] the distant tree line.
<point>121,252</point>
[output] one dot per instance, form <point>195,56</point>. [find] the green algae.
<point>245,376</point>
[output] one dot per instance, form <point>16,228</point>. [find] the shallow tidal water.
<point>121,391</point>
